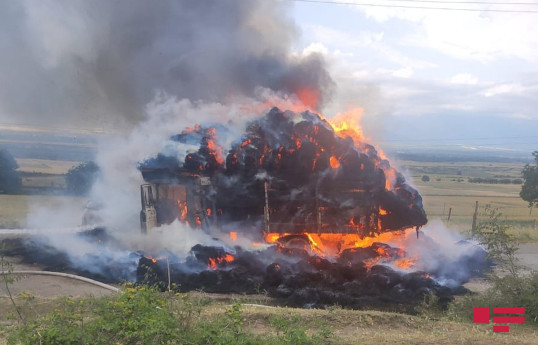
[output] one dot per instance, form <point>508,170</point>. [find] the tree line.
<point>495,180</point>
<point>78,179</point>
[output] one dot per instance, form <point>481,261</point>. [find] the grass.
<point>356,326</point>
<point>444,192</point>
<point>43,181</point>
<point>15,208</point>
<point>45,166</point>
<point>345,326</point>
<point>438,196</point>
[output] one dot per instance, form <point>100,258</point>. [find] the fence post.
<point>449,213</point>
<point>474,217</point>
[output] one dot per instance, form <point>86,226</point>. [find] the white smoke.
<point>119,188</point>
<point>442,251</point>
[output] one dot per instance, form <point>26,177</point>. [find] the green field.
<point>14,208</point>
<point>449,189</point>
<point>45,166</point>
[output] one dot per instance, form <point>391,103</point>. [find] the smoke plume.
<point>98,63</point>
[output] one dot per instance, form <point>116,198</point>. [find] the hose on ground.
<point>65,275</point>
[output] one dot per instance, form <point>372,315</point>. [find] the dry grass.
<point>443,192</point>
<point>44,182</point>
<point>376,327</point>
<point>45,166</point>
<point>348,326</point>
<point>15,208</point>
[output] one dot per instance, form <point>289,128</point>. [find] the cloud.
<point>470,35</point>
<point>403,72</point>
<point>512,88</point>
<point>464,79</point>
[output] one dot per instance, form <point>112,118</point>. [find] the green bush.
<point>290,331</point>
<point>136,316</point>
<point>10,180</point>
<point>511,287</point>
<point>506,292</point>
<point>81,178</point>
<point>143,315</point>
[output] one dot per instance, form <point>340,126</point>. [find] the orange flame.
<point>229,258</point>
<point>214,262</point>
<point>309,97</point>
<point>390,178</point>
<point>332,244</point>
<point>233,235</point>
<point>182,205</point>
<point>154,260</point>
<point>214,149</point>
<point>347,124</point>
<point>333,161</point>
<point>405,262</point>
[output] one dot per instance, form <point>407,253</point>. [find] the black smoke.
<point>100,62</point>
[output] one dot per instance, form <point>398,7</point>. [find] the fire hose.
<point>44,231</point>
<point>64,275</point>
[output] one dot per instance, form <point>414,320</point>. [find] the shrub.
<point>80,179</point>
<point>142,315</point>
<point>136,316</point>
<point>511,288</point>
<point>10,180</point>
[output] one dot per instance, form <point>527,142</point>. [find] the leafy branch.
<point>6,272</point>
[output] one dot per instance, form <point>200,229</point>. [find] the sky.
<point>445,77</point>
<point>424,78</point>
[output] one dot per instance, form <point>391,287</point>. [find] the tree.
<point>80,179</point>
<point>425,178</point>
<point>529,189</point>
<point>10,180</point>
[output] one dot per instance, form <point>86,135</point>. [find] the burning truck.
<point>299,208</point>
<point>334,216</point>
<point>293,178</point>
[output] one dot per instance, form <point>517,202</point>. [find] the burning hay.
<point>297,207</point>
<point>327,202</point>
<point>292,171</point>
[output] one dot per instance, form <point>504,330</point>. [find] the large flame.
<point>347,124</point>
<point>312,145</point>
<point>333,244</point>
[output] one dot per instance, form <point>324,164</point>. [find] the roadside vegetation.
<point>512,285</point>
<point>144,315</point>
<point>10,180</point>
